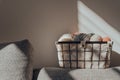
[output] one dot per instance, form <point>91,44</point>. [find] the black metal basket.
<point>90,54</point>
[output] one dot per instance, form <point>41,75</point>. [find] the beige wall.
<point>40,21</point>
<point>43,21</point>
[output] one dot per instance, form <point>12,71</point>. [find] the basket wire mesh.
<point>77,51</point>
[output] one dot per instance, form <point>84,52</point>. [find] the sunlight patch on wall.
<point>90,22</point>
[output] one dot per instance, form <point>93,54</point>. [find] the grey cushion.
<point>79,74</point>
<point>15,60</point>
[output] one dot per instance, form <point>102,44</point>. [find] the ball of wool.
<point>96,37</point>
<point>65,37</point>
<point>106,39</point>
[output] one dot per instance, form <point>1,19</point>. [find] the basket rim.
<point>73,42</point>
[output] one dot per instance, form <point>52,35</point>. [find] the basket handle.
<point>110,43</point>
<point>83,43</point>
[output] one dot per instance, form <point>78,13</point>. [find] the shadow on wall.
<point>115,58</point>
<point>91,22</point>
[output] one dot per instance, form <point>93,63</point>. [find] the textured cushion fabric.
<point>15,61</point>
<point>79,74</point>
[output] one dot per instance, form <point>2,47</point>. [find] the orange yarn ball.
<point>106,39</point>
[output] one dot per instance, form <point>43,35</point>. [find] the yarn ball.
<point>65,37</point>
<point>76,33</point>
<point>106,39</point>
<point>96,37</point>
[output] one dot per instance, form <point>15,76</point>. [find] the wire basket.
<point>90,54</point>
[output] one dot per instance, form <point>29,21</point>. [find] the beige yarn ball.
<point>96,38</point>
<point>65,37</point>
